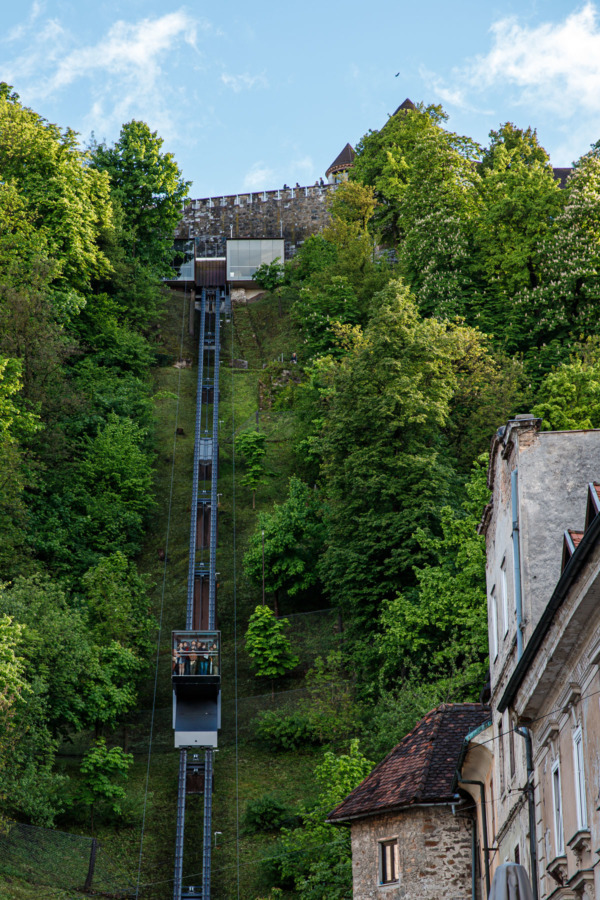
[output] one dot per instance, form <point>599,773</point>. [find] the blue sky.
<point>249,95</point>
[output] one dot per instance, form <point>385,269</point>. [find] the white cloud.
<point>553,66</point>
<point>259,178</point>
<point>244,82</point>
<point>19,31</point>
<point>125,69</point>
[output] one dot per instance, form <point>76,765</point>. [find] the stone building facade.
<point>434,855</point>
<point>412,830</point>
<point>292,214</point>
<point>534,773</point>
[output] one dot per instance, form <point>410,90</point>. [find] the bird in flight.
<point>396,75</point>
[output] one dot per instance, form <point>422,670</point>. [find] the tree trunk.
<point>253,499</point>
<point>276,603</point>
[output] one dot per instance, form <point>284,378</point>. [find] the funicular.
<point>196,676</point>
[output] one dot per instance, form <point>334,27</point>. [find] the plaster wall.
<point>434,855</point>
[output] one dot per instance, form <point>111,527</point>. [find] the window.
<point>559,840</point>
<point>494,623</point>
<point>511,746</point>
<point>579,779</point>
<point>501,754</point>
<point>517,854</point>
<point>504,596</point>
<point>388,861</point>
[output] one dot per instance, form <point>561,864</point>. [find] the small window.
<point>579,779</point>
<point>494,623</point>
<point>501,754</point>
<point>517,854</point>
<point>559,839</point>
<point>388,861</point>
<point>511,747</point>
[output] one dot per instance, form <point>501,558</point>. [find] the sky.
<point>251,95</point>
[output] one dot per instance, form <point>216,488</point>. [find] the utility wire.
<point>162,600</point>
<point>235,646</point>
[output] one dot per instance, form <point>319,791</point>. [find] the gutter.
<point>455,802</point>
<point>566,580</point>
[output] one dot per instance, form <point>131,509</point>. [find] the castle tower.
<point>339,168</point>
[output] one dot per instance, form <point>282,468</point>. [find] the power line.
<point>162,599</point>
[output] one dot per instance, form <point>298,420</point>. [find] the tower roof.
<point>343,160</point>
<point>408,104</point>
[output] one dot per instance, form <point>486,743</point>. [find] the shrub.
<point>266,814</point>
<point>280,731</point>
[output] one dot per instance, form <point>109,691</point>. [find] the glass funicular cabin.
<point>196,676</point>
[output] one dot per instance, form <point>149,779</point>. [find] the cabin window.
<point>559,839</point>
<point>388,861</point>
<point>579,779</point>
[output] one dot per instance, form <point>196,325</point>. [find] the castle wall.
<point>292,214</point>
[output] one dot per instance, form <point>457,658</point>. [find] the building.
<point>412,832</point>
<point>534,773</point>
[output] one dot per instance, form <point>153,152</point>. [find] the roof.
<point>420,768</point>
<point>343,160</point>
<point>561,174</point>
<point>408,104</point>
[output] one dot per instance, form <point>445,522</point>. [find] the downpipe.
<point>486,851</point>
<point>524,733</point>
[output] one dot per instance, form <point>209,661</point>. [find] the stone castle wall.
<point>434,855</point>
<point>291,213</point>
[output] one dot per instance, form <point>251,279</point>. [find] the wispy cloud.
<point>259,177</point>
<point>244,82</point>
<point>19,31</point>
<point>124,70</point>
<point>554,66</point>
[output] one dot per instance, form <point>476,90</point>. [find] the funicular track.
<point>201,595</point>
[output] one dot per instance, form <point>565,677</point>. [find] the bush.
<point>268,814</point>
<point>280,731</point>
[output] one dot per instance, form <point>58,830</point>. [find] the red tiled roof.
<point>576,537</point>
<point>343,160</point>
<point>420,768</point>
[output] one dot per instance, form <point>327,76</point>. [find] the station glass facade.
<point>245,256</point>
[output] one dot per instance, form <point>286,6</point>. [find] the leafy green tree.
<point>569,397</point>
<point>562,306</point>
<point>251,445</point>
<point>150,189</point>
<point>520,199</point>
<point>65,199</point>
<point>116,472</point>
<point>293,538</point>
<point>315,254</point>
<point>117,601</point>
<point>384,457</point>
<point>384,162</point>
<point>317,855</point>
<point>439,631</point>
<point>269,276</point>
<point>436,219</point>
<point>267,644</point>
<point>100,769</point>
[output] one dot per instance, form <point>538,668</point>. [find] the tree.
<point>267,644</point>
<point>520,199</point>
<point>150,189</point>
<point>317,855</point>
<point>439,631</point>
<point>100,769</point>
<point>569,397</point>
<point>117,600</point>
<point>251,446</point>
<point>384,456</point>
<point>562,306</point>
<point>293,538</point>
<point>64,199</point>
<point>269,275</point>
